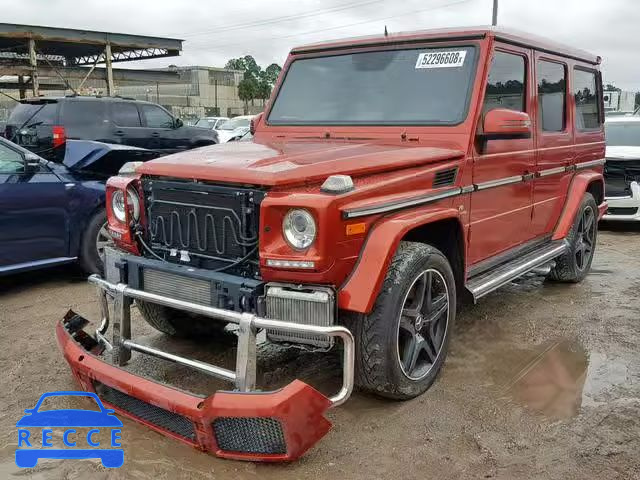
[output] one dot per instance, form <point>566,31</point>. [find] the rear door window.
<point>126,114</point>
<point>586,99</point>
<point>156,117</point>
<point>10,160</point>
<point>82,113</point>
<point>552,86</point>
<point>32,113</point>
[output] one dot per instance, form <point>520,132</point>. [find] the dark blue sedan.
<point>54,213</point>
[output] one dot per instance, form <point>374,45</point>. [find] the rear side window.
<point>126,114</point>
<point>506,84</point>
<point>552,85</point>
<point>585,92</point>
<point>31,113</point>
<point>82,113</point>
<point>156,117</point>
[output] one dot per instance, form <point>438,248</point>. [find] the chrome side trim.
<point>416,201</point>
<point>592,163</point>
<point>399,205</point>
<point>551,171</point>
<point>500,182</point>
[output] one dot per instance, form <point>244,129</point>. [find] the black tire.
<point>574,265</point>
<point>380,335</point>
<point>90,256</point>
<point>177,323</point>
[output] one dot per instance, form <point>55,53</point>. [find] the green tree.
<point>611,88</point>
<point>264,91</point>
<point>247,91</point>
<point>271,73</point>
<point>256,83</point>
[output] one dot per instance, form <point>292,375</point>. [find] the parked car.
<point>233,128</point>
<point>53,213</point>
<point>388,178</point>
<point>211,123</point>
<point>43,124</point>
<point>622,170</point>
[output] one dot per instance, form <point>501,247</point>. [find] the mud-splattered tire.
<point>177,323</point>
<point>574,265</point>
<point>401,345</point>
<point>94,239</point>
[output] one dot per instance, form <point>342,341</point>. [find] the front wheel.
<point>574,265</point>
<point>401,345</point>
<point>96,237</point>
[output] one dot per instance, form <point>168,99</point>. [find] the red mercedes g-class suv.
<point>389,177</point>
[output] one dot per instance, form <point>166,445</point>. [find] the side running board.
<point>487,282</point>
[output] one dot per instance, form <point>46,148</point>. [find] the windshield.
<point>426,86</point>
<point>45,114</point>
<point>235,123</point>
<point>622,134</point>
<point>204,123</point>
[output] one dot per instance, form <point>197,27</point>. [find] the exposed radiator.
<point>177,286</point>
<point>307,307</point>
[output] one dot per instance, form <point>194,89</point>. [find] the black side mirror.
<point>178,123</point>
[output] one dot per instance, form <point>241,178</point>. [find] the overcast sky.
<point>218,30</point>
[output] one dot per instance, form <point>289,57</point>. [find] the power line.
<point>286,18</point>
<point>219,47</point>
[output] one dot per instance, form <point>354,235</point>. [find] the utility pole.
<point>494,20</point>
<point>34,68</point>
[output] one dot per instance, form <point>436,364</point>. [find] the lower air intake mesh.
<point>250,435</point>
<point>160,417</point>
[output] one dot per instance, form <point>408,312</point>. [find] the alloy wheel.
<point>585,238</point>
<point>103,239</point>
<point>423,324</point>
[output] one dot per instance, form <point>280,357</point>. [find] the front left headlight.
<point>118,204</point>
<point>299,229</point>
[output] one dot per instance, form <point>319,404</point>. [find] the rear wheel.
<point>401,345</point>
<point>574,265</point>
<point>177,323</point>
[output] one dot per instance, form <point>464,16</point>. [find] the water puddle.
<point>563,377</point>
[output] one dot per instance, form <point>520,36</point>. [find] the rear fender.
<point>579,185</point>
<point>361,289</point>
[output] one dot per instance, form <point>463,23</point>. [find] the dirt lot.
<point>543,381</point>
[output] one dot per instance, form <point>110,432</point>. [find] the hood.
<point>293,162</point>
<point>623,153</point>
<point>102,158</point>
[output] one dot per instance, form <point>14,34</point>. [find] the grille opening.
<point>622,210</point>
<point>157,416</point>
<point>262,435</point>
<point>445,177</point>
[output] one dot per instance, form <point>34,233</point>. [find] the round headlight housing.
<point>299,229</point>
<point>118,205</point>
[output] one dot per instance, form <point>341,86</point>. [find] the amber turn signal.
<point>356,228</point>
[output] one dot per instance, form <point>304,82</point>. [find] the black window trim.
<point>418,45</point>
<point>567,93</point>
<point>596,75</point>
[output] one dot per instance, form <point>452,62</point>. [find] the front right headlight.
<point>118,205</point>
<point>299,229</point>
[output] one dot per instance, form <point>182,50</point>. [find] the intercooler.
<point>308,306</point>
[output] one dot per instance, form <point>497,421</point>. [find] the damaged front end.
<point>241,424</point>
<point>622,186</point>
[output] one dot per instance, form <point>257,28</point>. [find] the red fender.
<point>579,186</point>
<point>361,289</point>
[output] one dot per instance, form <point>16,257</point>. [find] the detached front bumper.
<point>625,208</point>
<point>243,424</point>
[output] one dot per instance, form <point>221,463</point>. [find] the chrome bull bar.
<point>244,376</point>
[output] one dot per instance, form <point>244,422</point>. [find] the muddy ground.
<point>542,381</point>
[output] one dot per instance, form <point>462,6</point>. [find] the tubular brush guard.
<point>242,424</point>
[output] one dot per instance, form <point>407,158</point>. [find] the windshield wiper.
<point>26,122</point>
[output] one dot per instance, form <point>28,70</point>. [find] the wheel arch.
<point>584,182</point>
<point>441,228</point>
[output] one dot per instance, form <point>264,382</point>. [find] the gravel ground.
<point>542,381</point>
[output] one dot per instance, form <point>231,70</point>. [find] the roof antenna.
<point>386,34</point>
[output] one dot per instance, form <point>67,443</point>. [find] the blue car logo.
<point>37,448</point>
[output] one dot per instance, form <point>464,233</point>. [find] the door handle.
<point>155,134</point>
<point>119,133</point>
